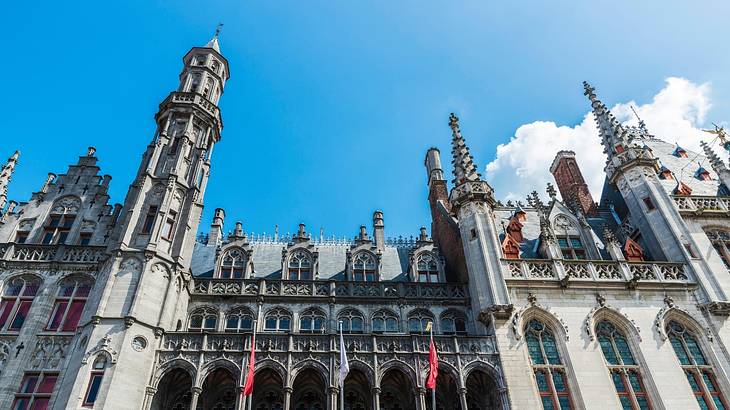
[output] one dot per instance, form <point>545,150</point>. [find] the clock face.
<point>139,343</point>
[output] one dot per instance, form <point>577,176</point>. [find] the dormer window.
<point>427,268</point>
<point>702,174</point>
<point>233,264</point>
<point>680,152</point>
<point>665,173</point>
<point>619,148</point>
<point>571,247</point>
<point>363,268</point>
<point>300,266</point>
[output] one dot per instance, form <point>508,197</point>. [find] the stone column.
<point>149,395</point>
<point>287,397</point>
<point>376,398</point>
<point>504,397</point>
<point>462,398</point>
<point>421,405</point>
<point>194,399</point>
<point>332,398</point>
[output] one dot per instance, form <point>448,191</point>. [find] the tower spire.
<point>613,134</point>
<point>464,168</point>
<point>717,165</point>
<point>6,174</point>
<point>213,43</point>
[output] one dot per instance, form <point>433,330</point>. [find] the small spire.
<point>464,168</point>
<point>6,174</point>
<point>717,165</point>
<point>213,43</point>
<point>642,124</point>
<point>609,128</point>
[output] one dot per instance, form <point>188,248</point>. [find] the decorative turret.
<point>610,130</point>
<point>572,186</point>
<point>717,165</point>
<point>468,184</point>
<point>6,174</point>
<point>379,229</point>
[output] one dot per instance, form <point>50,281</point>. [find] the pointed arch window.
<point>700,373</point>
<point>300,266</point>
<point>363,267</point>
<point>385,321</point>
<point>418,321</point>
<point>550,372</point>
<point>622,366</point>
<point>17,299</point>
<point>277,320</point>
<point>453,323</point>
<point>351,321</point>
<point>205,319</point>
<point>721,242</point>
<point>60,221</point>
<point>69,304</point>
<point>428,270</point>
<point>312,321</point>
<point>571,247</point>
<point>239,320</point>
<point>233,264</point>
<point>97,374</point>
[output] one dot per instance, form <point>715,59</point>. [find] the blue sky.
<point>331,105</point>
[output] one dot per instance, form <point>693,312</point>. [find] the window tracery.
<point>699,371</point>
<point>16,302</point>
<point>385,321</point>
<point>277,320</point>
<point>550,372</point>
<point>351,321</point>
<point>203,319</point>
<point>623,368</point>
<point>721,242</point>
<point>69,304</point>
<point>61,219</point>
<point>312,321</point>
<point>418,321</point>
<point>239,320</point>
<point>233,264</point>
<point>453,322</point>
<point>300,266</point>
<point>427,267</point>
<point>364,267</point>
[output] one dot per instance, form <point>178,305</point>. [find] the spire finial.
<point>464,167</point>
<point>6,173</point>
<point>609,128</point>
<point>218,29</point>
<point>589,91</point>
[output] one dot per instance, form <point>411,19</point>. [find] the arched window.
<point>16,301</point>
<point>428,270</point>
<point>205,319</point>
<point>351,321</point>
<point>239,320</point>
<point>311,321</point>
<point>363,267</point>
<point>277,320</point>
<point>453,322</point>
<point>70,302</point>
<point>233,264</point>
<point>550,372</point>
<point>624,370</point>
<point>700,373</point>
<point>721,242</point>
<point>385,321</point>
<point>418,321</point>
<point>300,266</point>
<point>61,219</point>
<point>97,374</point>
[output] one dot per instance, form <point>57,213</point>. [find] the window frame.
<point>12,304</point>
<point>422,318</point>
<point>204,313</point>
<point>430,268</point>
<point>279,315</point>
<point>168,228</point>
<point>68,303</point>
<point>148,224</point>
<point>313,314</point>
<point>549,370</point>
<point>304,265</point>
<point>57,228</point>
<point>572,251</point>
<point>364,267</point>
<point>347,316</point>
<point>240,314</point>
<point>384,316</point>
<point>232,263</point>
<point>33,396</point>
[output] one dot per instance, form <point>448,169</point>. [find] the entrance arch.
<point>357,391</point>
<point>397,392</point>
<point>219,391</point>
<point>309,391</point>
<point>173,391</point>
<point>268,390</point>
<point>447,393</point>
<point>481,391</point>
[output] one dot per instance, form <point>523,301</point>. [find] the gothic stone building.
<point>555,304</point>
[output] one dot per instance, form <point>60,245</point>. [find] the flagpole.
<point>433,391</point>
<point>342,382</point>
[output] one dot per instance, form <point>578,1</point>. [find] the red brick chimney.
<point>572,186</point>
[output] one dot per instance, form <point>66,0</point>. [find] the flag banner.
<point>248,387</point>
<point>433,365</point>
<point>344,364</point>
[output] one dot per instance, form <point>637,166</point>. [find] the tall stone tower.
<point>572,186</point>
<point>142,284</point>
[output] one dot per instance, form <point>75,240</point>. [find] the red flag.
<point>433,365</point>
<point>248,386</point>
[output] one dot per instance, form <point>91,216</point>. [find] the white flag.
<point>344,365</point>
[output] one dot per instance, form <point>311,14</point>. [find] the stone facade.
<point>548,303</point>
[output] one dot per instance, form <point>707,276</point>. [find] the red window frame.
<point>35,391</point>
<point>16,303</point>
<point>95,375</point>
<point>68,306</point>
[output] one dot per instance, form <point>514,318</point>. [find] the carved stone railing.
<point>320,288</point>
<point>52,253</point>
<point>306,343</point>
<point>565,271</point>
<point>702,204</point>
<point>193,98</point>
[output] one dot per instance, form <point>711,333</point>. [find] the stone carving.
<point>104,345</point>
<point>49,352</point>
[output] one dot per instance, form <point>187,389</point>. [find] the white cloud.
<point>522,165</point>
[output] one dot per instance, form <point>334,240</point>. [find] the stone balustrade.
<point>15,252</point>
<point>595,271</point>
<point>321,288</point>
<point>702,204</point>
<point>193,98</point>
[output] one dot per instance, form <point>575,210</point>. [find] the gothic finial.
<point>552,193</point>
<point>464,168</point>
<point>589,90</point>
<point>642,124</point>
<point>453,121</point>
<point>717,165</point>
<point>6,174</point>
<point>218,30</point>
<point>613,136</point>
<point>90,152</point>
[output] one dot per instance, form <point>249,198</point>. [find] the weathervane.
<point>218,29</point>
<point>721,134</point>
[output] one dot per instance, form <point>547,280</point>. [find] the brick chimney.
<point>572,186</point>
